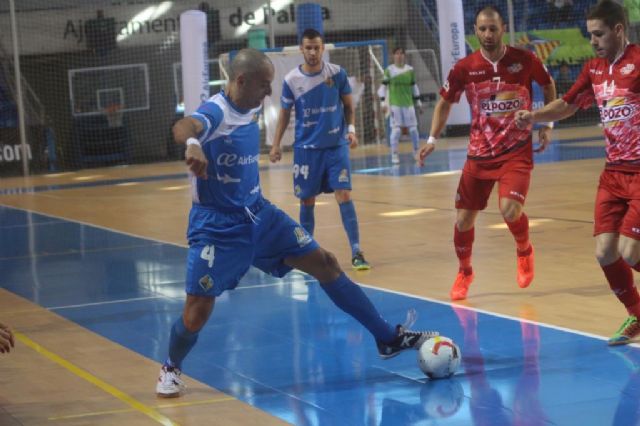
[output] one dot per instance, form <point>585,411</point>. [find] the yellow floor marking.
<point>111,390</point>
<point>128,410</point>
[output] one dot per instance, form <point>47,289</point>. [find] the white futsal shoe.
<point>170,385</point>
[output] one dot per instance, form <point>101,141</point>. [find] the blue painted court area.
<point>281,346</point>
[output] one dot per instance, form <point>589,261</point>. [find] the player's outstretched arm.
<point>7,341</point>
<point>275,154</point>
<point>186,132</point>
<point>438,121</point>
<point>554,111</point>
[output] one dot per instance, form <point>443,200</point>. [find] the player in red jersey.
<point>497,82</point>
<point>612,80</point>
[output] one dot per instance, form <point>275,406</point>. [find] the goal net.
<point>362,61</point>
<point>101,80</point>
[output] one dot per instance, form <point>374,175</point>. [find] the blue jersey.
<point>320,121</point>
<point>231,142</point>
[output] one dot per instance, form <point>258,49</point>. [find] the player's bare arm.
<point>544,133</point>
<point>553,111</point>
<point>349,116</point>
<point>185,131</point>
<point>275,154</point>
<point>438,122</point>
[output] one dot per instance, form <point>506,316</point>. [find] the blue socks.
<point>349,297</point>
<point>180,343</point>
<point>307,219</point>
<point>350,222</point>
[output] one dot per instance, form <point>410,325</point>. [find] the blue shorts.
<point>222,246</point>
<point>320,170</point>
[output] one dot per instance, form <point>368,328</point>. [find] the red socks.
<point>621,282</point>
<point>520,230</point>
<point>463,243</point>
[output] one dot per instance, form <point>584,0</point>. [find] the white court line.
<point>568,330</point>
<point>504,316</point>
<point>104,228</point>
<point>109,302</point>
<point>440,302</point>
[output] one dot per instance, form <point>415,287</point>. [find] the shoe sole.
<point>168,395</point>
<point>385,357</point>
<point>525,285</point>
<point>361,268</point>
<point>625,342</point>
<point>458,298</point>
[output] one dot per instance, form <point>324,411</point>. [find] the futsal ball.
<point>439,357</point>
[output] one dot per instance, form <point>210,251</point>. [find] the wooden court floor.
<point>406,228</point>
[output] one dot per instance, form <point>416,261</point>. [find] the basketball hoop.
<point>114,115</point>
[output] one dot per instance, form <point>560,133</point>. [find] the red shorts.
<point>617,208</point>
<point>513,176</point>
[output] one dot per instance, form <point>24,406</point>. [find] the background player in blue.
<point>322,98</point>
<point>231,225</point>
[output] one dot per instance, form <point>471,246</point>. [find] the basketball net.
<point>114,115</point>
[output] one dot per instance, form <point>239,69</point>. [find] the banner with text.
<point>452,48</point>
<point>64,30</point>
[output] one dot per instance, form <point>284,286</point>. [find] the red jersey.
<point>495,91</point>
<point>615,86</point>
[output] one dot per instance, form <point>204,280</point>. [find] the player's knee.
<point>330,262</point>
<point>194,324</point>
<point>464,223</point>
<point>630,254</point>
<point>196,312</point>
<point>343,196</point>
<point>327,268</point>
<point>511,211</point>
<point>606,254</point>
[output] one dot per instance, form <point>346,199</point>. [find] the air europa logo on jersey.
<point>503,104</point>
<point>230,160</point>
<point>615,110</point>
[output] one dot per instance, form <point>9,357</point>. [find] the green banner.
<point>551,46</point>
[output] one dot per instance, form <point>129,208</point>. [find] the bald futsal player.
<point>232,226</point>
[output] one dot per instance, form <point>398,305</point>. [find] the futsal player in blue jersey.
<point>232,226</point>
<point>325,130</point>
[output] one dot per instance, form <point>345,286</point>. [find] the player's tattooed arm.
<point>186,128</point>
<point>553,111</point>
